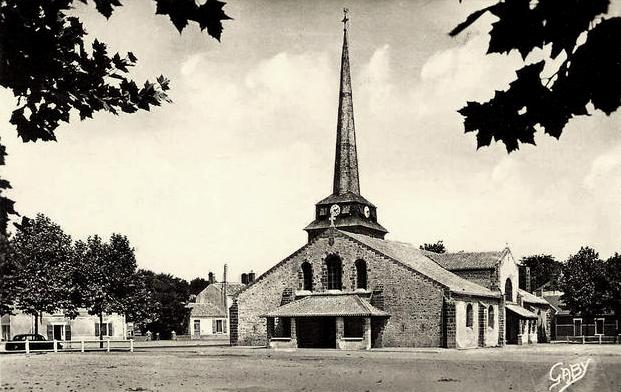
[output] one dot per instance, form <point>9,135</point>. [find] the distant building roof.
<point>520,311</point>
<point>467,260</point>
<point>532,299</point>
<point>557,304</point>
<point>232,289</point>
<point>205,310</point>
<point>420,261</point>
<point>328,305</point>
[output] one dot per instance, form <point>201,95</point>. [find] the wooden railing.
<point>30,345</point>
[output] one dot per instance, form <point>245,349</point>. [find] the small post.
<point>600,338</point>
<point>27,346</point>
<point>108,345</point>
<point>55,346</point>
<point>583,340</point>
<point>131,345</point>
<point>82,345</point>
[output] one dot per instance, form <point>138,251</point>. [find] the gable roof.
<point>468,260</point>
<point>205,310</point>
<point>520,311</point>
<point>420,261</point>
<point>328,305</point>
<point>532,299</point>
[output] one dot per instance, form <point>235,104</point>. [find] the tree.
<point>106,279</point>
<point>197,285</point>
<point>589,70</point>
<point>48,67</point>
<point>438,247</point>
<point>613,274</point>
<point>584,283</point>
<point>8,277</point>
<point>41,254</point>
<point>170,296</point>
<point>543,269</point>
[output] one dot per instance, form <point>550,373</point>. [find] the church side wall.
<point>414,301</point>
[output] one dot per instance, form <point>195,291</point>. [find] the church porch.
<point>324,321</point>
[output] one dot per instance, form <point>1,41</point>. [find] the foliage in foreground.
<point>589,71</point>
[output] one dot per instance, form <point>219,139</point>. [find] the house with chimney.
<point>349,287</point>
<point>209,313</point>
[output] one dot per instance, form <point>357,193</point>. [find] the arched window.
<point>333,264</point>
<point>361,274</point>
<point>307,276</point>
<point>490,316</point>
<point>469,315</point>
<point>508,290</point>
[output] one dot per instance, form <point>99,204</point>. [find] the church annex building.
<point>349,288</point>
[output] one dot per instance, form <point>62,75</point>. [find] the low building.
<point>568,326</point>
<point>57,326</point>
<point>209,312</point>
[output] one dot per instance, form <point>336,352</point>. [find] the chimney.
<point>251,277</point>
<point>244,278</point>
<point>524,280</point>
<point>211,278</point>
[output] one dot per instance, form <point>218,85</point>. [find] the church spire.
<point>346,162</point>
<point>345,209</point>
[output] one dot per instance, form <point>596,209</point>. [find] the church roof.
<point>345,198</point>
<point>467,260</point>
<point>532,299</point>
<point>520,311</point>
<point>327,304</point>
<point>420,261</point>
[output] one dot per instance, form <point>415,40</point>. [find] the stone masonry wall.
<point>414,301</point>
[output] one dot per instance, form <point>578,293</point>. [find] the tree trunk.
<point>36,317</point>
<point>100,329</point>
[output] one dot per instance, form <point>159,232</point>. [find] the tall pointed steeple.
<point>345,209</point>
<point>346,162</point>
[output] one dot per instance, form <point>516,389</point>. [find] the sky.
<point>231,170</point>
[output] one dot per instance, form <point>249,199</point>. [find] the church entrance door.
<point>316,332</point>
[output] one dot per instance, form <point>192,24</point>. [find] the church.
<point>350,288</point>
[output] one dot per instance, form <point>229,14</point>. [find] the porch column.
<point>367,333</point>
<point>340,330</point>
<point>270,329</point>
<point>294,332</point>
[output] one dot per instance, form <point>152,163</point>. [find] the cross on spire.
<point>345,18</point>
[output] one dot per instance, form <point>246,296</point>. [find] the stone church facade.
<point>349,288</point>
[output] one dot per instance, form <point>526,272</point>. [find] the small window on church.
<point>490,316</point>
<point>345,210</point>
<point>361,274</point>
<point>508,290</point>
<point>334,267</point>
<point>469,315</point>
<point>323,211</point>
<point>307,276</point>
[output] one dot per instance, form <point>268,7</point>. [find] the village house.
<point>57,326</point>
<point>350,288</point>
<point>208,317</point>
<point>567,326</point>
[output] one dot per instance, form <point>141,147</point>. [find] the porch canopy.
<point>328,305</point>
<point>520,311</point>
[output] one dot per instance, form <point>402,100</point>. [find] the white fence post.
<point>27,346</point>
<point>108,345</point>
<point>55,346</point>
<point>82,345</point>
<point>131,345</point>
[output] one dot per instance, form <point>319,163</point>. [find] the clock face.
<point>335,210</point>
<point>367,211</point>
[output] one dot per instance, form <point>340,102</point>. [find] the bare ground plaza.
<point>258,369</point>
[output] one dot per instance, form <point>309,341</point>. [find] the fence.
<point>597,339</point>
<point>73,345</point>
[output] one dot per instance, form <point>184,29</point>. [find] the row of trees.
<point>45,271</point>
<point>590,285</point>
